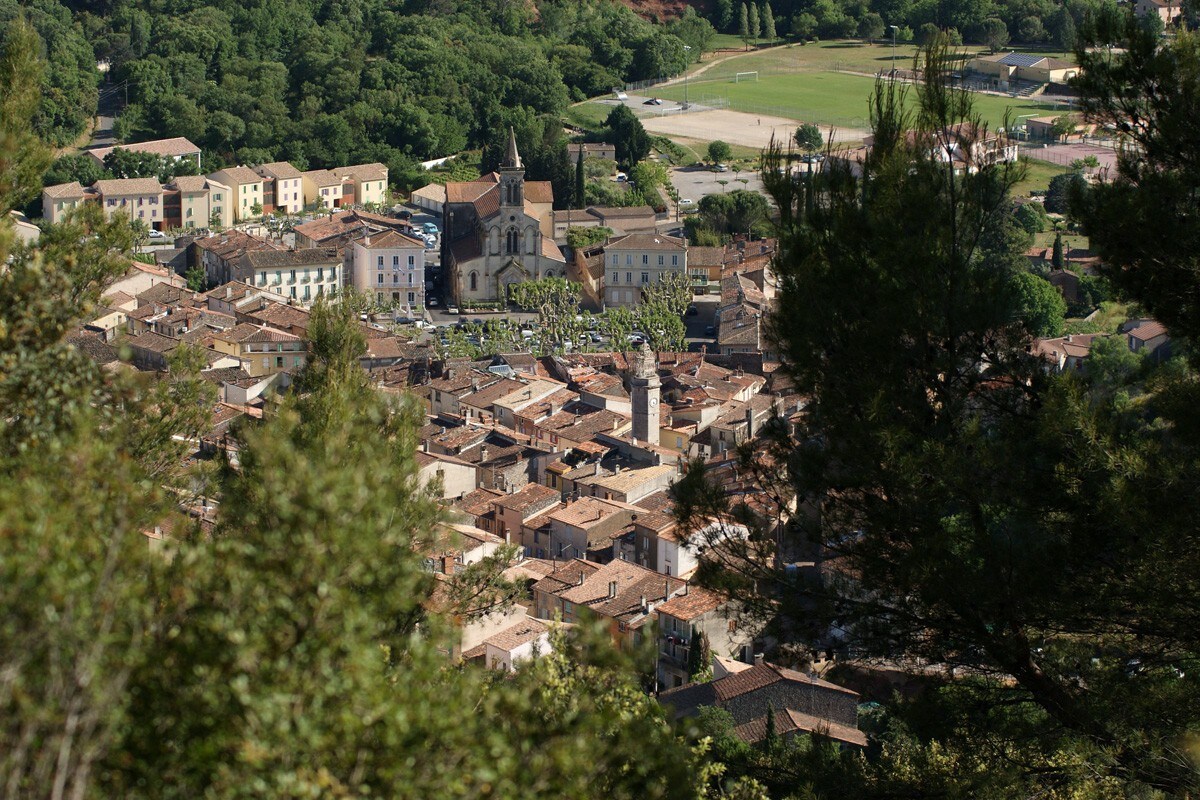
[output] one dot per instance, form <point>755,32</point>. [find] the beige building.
<point>140,198</point>
<point>60,199</point>
<point>322,189</point>
<point>299,275</point>
<point>1005,68</point>
<point>363,184</point>
<point>262,350</point>
<point>191,200</point>
<point>638,261</point>
<point>1167,10</point>
<point>390,267</point>
<point>175,149</point>
<point>282,189</point>
<point>246,187</point>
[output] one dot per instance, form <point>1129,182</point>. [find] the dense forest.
<point>329,82</point>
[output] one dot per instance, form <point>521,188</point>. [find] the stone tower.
<point>512,175</point>
<point>645,388</point>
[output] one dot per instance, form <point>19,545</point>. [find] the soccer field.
<point>826,98</point>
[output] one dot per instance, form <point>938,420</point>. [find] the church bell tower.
<point>512,175</point>
<point>645,388</point>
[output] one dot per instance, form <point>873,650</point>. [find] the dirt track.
<point>735,127</point>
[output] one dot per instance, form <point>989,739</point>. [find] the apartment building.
<point>139,198</point>
<point>262,350</point>
<point>389,266</point>
<point>282,188</point>
<point>174,149</point>
<point>322,189</point>
<point>220,255</point>
<point>246,187</point>
<point>363,183</point>
<point>191,201</point>
<point>60,199</point>
<point>638,261</point>
<point>299,275</point>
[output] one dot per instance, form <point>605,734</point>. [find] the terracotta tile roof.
<point>322,178</point>
<point>154,342</point>
<point>267,259</point>
<point>236,176</point>
<point>695,602</point>
<point>1147,330</point>
<point>629,479</point>
<point>176,146</point>
<point>622,212</point>
<point>550,250</point>
<point>278,169</point>
<point>478,502</point>
<point>386,240</point>
<point>539,192</point>
<point>522,633</point>
<point>1072,346</point>
<point>634,584</point>
<point>792,721</point>
<point>248,332</point>
<point>585,512</point>
<point>363,172</point>
<point>232,244</point>
<point>531,495</point>
<point>467,191</point>
<point>282,316</point>
<point>706,256</point>
<point>190,183</point>
<point>647,241</point>
<point>128,186</point>
<point>65,191</point>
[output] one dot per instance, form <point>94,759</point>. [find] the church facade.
<point>497,232</point>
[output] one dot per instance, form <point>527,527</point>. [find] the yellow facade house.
<point>246,190</point>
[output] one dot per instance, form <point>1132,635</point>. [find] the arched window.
<point>474,281</point>
<point>512,241</point>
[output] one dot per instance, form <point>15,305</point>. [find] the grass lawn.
<point>731,41</point>
<point>589,116</point>
<point>1037,177</point>
<point>823,98</point>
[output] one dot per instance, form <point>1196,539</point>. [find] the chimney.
<point>507,535</point>
<point>228,292</point>
<point>683,592</point>
<point>579,580</point>
<point>474,384</point>
<point>666,590</point>
<point>643,603</point>
<point>578,417</point>
<point>612,589</point>
<point>483,452</point>
<point>758,659</point>
<point>749,422</point>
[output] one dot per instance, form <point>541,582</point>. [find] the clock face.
<point>653,402</point>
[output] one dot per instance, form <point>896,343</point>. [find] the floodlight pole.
<point>685,80</point>
<point>894,29</point>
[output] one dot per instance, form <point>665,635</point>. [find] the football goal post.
<point>743,77</point>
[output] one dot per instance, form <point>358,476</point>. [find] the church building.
<point>498,231</point>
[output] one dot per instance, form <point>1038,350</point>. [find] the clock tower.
<point>645,388</point>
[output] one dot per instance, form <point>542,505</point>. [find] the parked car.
<point>404,213</point>
<point>710,331</point>
<point>721,168</point>
<point>451,310</point>
<point>430,227</point>
<point>595,337</point>
<point>622,177</point>
<point>687,202</point>
<point>432,301</point>
<point>156,234</point>
<point>692,311</point>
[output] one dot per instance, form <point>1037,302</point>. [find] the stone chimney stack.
<point>612,589</point>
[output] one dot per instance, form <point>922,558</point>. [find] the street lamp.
<point>894,29</point>
<point>686,48</point>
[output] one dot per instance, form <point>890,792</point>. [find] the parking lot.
<point>693,183</point>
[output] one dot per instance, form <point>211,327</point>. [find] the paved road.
<point>706,307</point>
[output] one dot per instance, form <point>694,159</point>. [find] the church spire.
<point>512,160</point>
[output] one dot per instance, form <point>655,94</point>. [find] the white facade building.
<point>389,267</point>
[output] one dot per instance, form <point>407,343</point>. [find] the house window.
<point>412,298</point>
<point>216,196</point>
<point>395,297</point>
<point>512,241</point>
<point>615,259</point>
<point>189,212</point>
<point>141,200</point>
<point>645,260</point>
<point>412,260</point>
<point>293,292</point>
<point>381,261</point>
<point>395,277</point>
<point>292,276</point>
<point>266,362</point>
<point>395,261</point>
<point>674,261</point>
<point>660,261</point>
<point>279,362</point>
<point>645,277</point>
<point>613,278</point>
<point>262,279</point>
<point>307,295</point>
<point>629,277</point>
<point>320,274</point>
<point>380,279</point>
<point>628,259</point>
<point>296,361</point>
<point>474,279</point>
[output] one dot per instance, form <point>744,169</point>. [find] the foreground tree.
<point>974,511</point>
